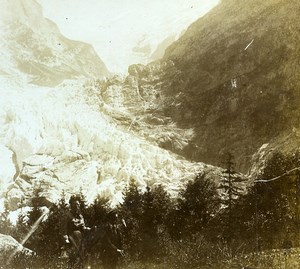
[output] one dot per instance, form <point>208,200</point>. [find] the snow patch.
<point>7,168</point>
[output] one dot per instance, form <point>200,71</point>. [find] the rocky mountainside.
<point>35,46</point>
<point>234,78</point>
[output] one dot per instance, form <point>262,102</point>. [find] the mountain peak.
<point>40,51</point>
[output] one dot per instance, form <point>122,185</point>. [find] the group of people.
<point>80,240</point>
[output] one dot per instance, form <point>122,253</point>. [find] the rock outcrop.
<point>9,248</point>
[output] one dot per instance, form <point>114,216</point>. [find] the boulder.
<point>10,247</point>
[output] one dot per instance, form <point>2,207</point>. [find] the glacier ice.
<point>61,133</point>
<point>64,142</point>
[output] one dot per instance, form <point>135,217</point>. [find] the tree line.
<point>209,221</point>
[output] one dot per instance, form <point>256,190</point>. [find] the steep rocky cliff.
<point>234,78</point>
<point>239,75</point>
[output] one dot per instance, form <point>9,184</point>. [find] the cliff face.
<point>235,79</point>
<point>36,47</point>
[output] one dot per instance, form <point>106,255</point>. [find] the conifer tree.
<point>131,211</point>
<point>53,229</point>
<point>155,204</point>
<point>231,191</point>
<point>198,202</point>
<point>132,200</point>
<point>269,208</point>
<point>96,213</point>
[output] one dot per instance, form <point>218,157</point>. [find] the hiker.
<point>75,224</point>
<point>74,230</point>
<point>104,236</point>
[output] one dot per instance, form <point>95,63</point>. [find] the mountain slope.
<point>37,48</point>
<point>235,78</point>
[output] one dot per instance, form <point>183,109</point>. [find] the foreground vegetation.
<point>207,226</point>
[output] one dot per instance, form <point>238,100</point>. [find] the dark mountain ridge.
<point>234,77</point>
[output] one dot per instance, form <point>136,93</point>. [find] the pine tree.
<point>155,205</point>
<point>273,199</point>
<point>231,191</point>
<point>161,204</point>
<point>96,214</point>
<point>198,203</point>
<point>131,212</point>
<point>269,208</point>
<point>132,200</point>
<point>52,229</point>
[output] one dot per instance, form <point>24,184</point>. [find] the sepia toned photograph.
<point>138,134</point>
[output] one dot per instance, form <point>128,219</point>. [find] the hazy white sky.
<point>114,27</point>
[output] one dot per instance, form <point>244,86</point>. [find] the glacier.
<point>66,128</point>
<point>63,142</point>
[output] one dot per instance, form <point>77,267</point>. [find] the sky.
<point>115,27</point>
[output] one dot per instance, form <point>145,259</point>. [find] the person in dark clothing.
<point>105,239</point>
<point>74,229</point>
<point>74,222</point>
<point>111,251</point>
<point>81,240</point>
